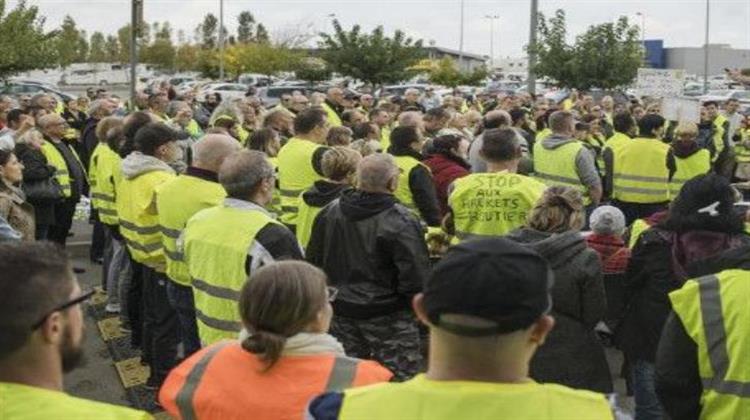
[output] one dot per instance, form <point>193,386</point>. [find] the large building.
<point>465,61</point>
<point>691,59</point>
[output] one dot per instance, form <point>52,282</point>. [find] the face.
<point>654,109</point>
<point>24,101</point>
<point>463,149</point>
<point>366,100</point>
<point>286,100</point>
<point>12,171</point>
<point>56,128</point>
<point>211,100</point>
<point>300,103</point>
<point>732,106</point>
<point>712,110</point>
<point>411,96</point>
<point>357,117</point>
<point>169,152</point>
<point>638,112</point>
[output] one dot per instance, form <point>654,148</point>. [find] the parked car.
<point>743,96</point>
<point>399,90</point>
<point>271,95</point>
<point>17,89</point>
<point>254,79</point>
<point>226,90</point>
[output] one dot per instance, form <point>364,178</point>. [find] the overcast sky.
<point>677,22</point>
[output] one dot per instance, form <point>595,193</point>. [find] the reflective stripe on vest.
<point>698,163</point>
<point>139,226</point>
<point>558,166</point>
<point>333,118</point>
<point>107,174</point>
<point>406,164</point>
<point>640,172</point>
<point>217,243</point>
<point>492,204</point>
<point>296,174</point>
<point>56,159</point>
<point>176,202</point>
<point>305,219</point>
<point>714,312</point>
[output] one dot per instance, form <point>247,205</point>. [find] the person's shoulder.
<point>371,372</point>
<point>581,395</point>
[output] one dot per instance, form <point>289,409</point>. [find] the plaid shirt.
<point>613,253</point>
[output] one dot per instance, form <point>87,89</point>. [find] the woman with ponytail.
<point>283,359</point>
<point>572,354</point>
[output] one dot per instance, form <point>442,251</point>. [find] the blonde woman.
<point>579,302</point>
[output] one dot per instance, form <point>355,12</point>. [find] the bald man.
<point>176,202</point>
<point>334,106</point>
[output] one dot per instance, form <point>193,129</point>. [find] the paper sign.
<point>677,109</point>
<point>658,83</point>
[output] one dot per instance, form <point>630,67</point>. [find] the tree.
<point>23,42</point>
<point>123,38</point>
<point>373,58</point>
<point>68,42</point>
<point>187,57</point>
<point>161,53</point>
<point>263,58</point>
<point>445,72</point>
<point>606,56</point>
<point>208,31</point>
<point>261,34</point>
<point>246,23</point>
<point>112,49</point>
<point>97,50</point>
<point>312,69</point>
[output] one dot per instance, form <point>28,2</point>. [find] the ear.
<point>52,328</point>
<point>541,328</point>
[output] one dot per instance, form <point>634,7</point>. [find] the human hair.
<point>105,125</point>
<point>242,172</point>
<point>446,144</point>
<point>34,101</point>
<point>623,122</point>
<point>29,136</point>
<point>152,136</point>
<point>650,123</point>
<point>274,117</point>
<point>115,138</point>
<point>37,277</point>
<point>496,119</point>
<point>133,123</point>
<point>365,147</point>
<point>560,209</point>
<point>339,163</point>
<point>409,119</point>
<point>277,302</point>
<point>96,106</point>
<point>710,103</point>
<point>174,107</point>
<point>5,155</point>
<point>374,113</point>
<point>363,130</point>
<point>339,136</point>
<point>437,114</point>
<point>500,145</point>
<point>308,119</point>
<point>14,115</point>
<point>212,149</point>
<point>348,115</point>
<point>517,114</point>
<point>686,131</point>
<point>261,139</point>
<point>560,121</point>
<point>375,171</point>
<point>705,202</point>
<point>402,137</point>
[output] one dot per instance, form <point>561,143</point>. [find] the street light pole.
<point>221,40</point>
<point>135,26</point>
<point>492,19</point>
<point>705,49</point>
<point>531,79</point>
<point>643,28</point>
<point>461,40</point>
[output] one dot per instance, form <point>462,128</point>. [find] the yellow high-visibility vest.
<point>558,166</point>
<point>217,243</point>
<point>33,403</point>
<point>715,313</point>
<point>718,137</point>
<point>333,118</point>
<point>421,398</point>
<point>56,159</point>
<point>640,172</point>
<point>542,134</point>
<point>407,164</point>
<point>698,163</point>
<point>492,204</point>
<point>139,223</point>
<point>296,174</point>
<point>104,174</point>
<point>385,138</point>
<point>177,200</point>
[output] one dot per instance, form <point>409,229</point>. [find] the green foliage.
<point>606,56</point>
<point>187,57</point>
<point>24,45</point>
<point>245,27</point>
<point>312,69</point>
<point>264,58</point>
<point>112,49</point>
<point>97,51</point>
<point>209,31</point>
<point>373,58</point>
<point>68,42</point>
<point>446,73</point>
<point>261,34</point>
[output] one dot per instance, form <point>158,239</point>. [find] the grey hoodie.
<point>136,164</point>
<point>585,163</point>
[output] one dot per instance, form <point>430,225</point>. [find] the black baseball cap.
<point>495,279</point>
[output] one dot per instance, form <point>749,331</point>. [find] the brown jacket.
<point>17,211</point>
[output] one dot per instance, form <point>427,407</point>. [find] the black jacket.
<point>654,271</point>
<point>373,250</point>
<point>678,382</point>
<point>36,169</point>
<point>322,193</point>
<point>88,141</point>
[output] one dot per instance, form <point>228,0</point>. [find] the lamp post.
<point>643,28</point>
<point>705,49</point>
<point>221,40</point>
<point>531,79</point>
<point>492,19</point>
<point>461,40</point>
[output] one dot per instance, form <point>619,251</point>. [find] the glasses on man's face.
<point>85,296</point>
<point>332,292</point>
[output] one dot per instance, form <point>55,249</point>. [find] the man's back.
<point>422,398</point>
<point>372,249</point>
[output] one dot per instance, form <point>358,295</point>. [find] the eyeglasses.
<point>63,307</point>
<point>332,293</point>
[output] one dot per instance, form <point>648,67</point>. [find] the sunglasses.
<point>85,296</point>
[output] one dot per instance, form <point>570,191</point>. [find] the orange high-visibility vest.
<point>225,382</point>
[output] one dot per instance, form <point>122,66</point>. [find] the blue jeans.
<point>181,299</point>
<point>647,406</point>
